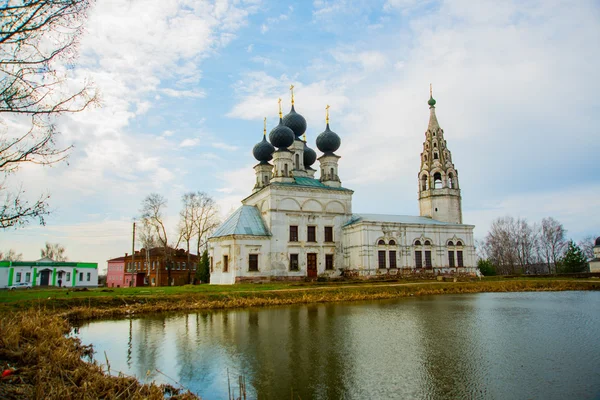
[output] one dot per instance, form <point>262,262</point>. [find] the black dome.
<point>263,151</point>
<point>597,241</point>
<point>295,122</point>
<point>281,136</point>
<point>328,141</point>
<point>310,156</point>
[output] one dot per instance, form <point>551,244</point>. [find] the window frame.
<point>313,229</point>
<point>392,259</point>
<point>381,259</point>
<point>428,261</point>
<point>329,262</point>
<point>294,258</point>
<point>451,259</point>
<point>460,258</point>
<point>251,261</point>
<point>418,258</point>
<point>225,262</point>
<point>328,229</point>
<point>293,230</point>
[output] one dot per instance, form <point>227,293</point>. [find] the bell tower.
<point>439,191</point>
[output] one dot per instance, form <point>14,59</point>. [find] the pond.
<point>539,345</point>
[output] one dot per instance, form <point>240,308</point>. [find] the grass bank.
<point>34,324</point>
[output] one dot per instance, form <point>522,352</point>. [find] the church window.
<point>392,242</point>
<point>425,157</point>
<point>253,262</point>
<point>435,145</point>
<point>285,170</point>
<point>381,243</point>
<point>293,262</point>
<point>450,243</point>
<point>451,180</point>
<point>311,234</point>
<point>459,257</point>
<point>332,174</point>
<point>211,264</point>
<point>225,263</point>
<point>424,182</point>
<point>437,180</point>
<point>419,259</point>
<point>381,259</point>
<point>393,263</point>
<point>459,243</point>
<point>417,243</point>
<point>427,258</point>
<point>293,233</point>
<point>451,258</point>
<point>427,243</point>
<point>329,233</point>
<point>435,156</point>
<point>297,161</point>
<point>329,261</point>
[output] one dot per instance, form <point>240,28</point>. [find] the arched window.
<point>451,180</point>
<point>417,242</point>
<point>332,175</point>
<point>459,243</point>
<point>392,243</point>
<point>427,243</point>
<point>450,243</point>
<point>297,161</point>
<point>435,145</point>
<point>437,180</point>
<point>425,157</point>
<point>381,243</point>
<point>424,182</point>
<point>435,156</point>
<point>285,170</point>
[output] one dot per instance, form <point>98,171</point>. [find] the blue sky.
<point>185,86</point>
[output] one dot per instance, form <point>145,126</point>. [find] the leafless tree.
<point>187,224</point>
<point>54,251</point>
<point>206,218</point>
<point>587,245</point>
<point>502,244</point>
<point>152,216</point>
<point>552,241</point>
<point>38,40</point>
<point>148,240</point>
<point>11,255</point>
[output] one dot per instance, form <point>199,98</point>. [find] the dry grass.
<point>48,364</point>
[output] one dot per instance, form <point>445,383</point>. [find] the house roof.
<point>398,219</point>
<point>116,259</point>
<point>246,220</point>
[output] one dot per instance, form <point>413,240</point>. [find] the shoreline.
<point>50,364</point>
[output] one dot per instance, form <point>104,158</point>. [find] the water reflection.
<point>509,345</point>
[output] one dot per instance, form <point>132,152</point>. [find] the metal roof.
<point>397,219</point>
<point>310,182</point>
<point>246,220</point>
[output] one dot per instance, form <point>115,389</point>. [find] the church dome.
<point>295,122</point>
<point>263,151</point>
<point>328,141</point>
<point>597,243</point>
<point>281,136</point>
<point>431,101</point>
<point>310,156</point>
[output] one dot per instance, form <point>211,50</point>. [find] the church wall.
<point>361,245</point>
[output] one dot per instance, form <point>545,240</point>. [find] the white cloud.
<point>183,93</point>
<point>224,146</point>
<point>190,142</point>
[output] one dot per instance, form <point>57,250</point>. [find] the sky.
<point>185,86</point>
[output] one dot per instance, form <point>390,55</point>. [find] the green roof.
<point>309,182</point>
<point>246,220</point>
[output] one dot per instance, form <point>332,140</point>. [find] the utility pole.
<point>133,252</point>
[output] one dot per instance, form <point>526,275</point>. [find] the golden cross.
<point>265,127</point>
<point>304,137</point>
<point>280,113</point>
<point>327,113</point>
<point>292,90</point>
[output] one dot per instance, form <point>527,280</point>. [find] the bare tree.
<point>526,240</point>
<point>502,244</point>
<point>38,40</point>
<point>152,215</point>
<point>206,218</point>
<point>11,255</point>
<point>148,240</point>
<point>552,241</point>
<point>187,227</point>
<point>54,251</point>
<point>587,245</point>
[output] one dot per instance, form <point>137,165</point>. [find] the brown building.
<point>151,267</point>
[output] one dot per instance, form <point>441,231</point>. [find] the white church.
<point>296,226</point>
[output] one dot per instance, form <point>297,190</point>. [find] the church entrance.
<point>311,265</point>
